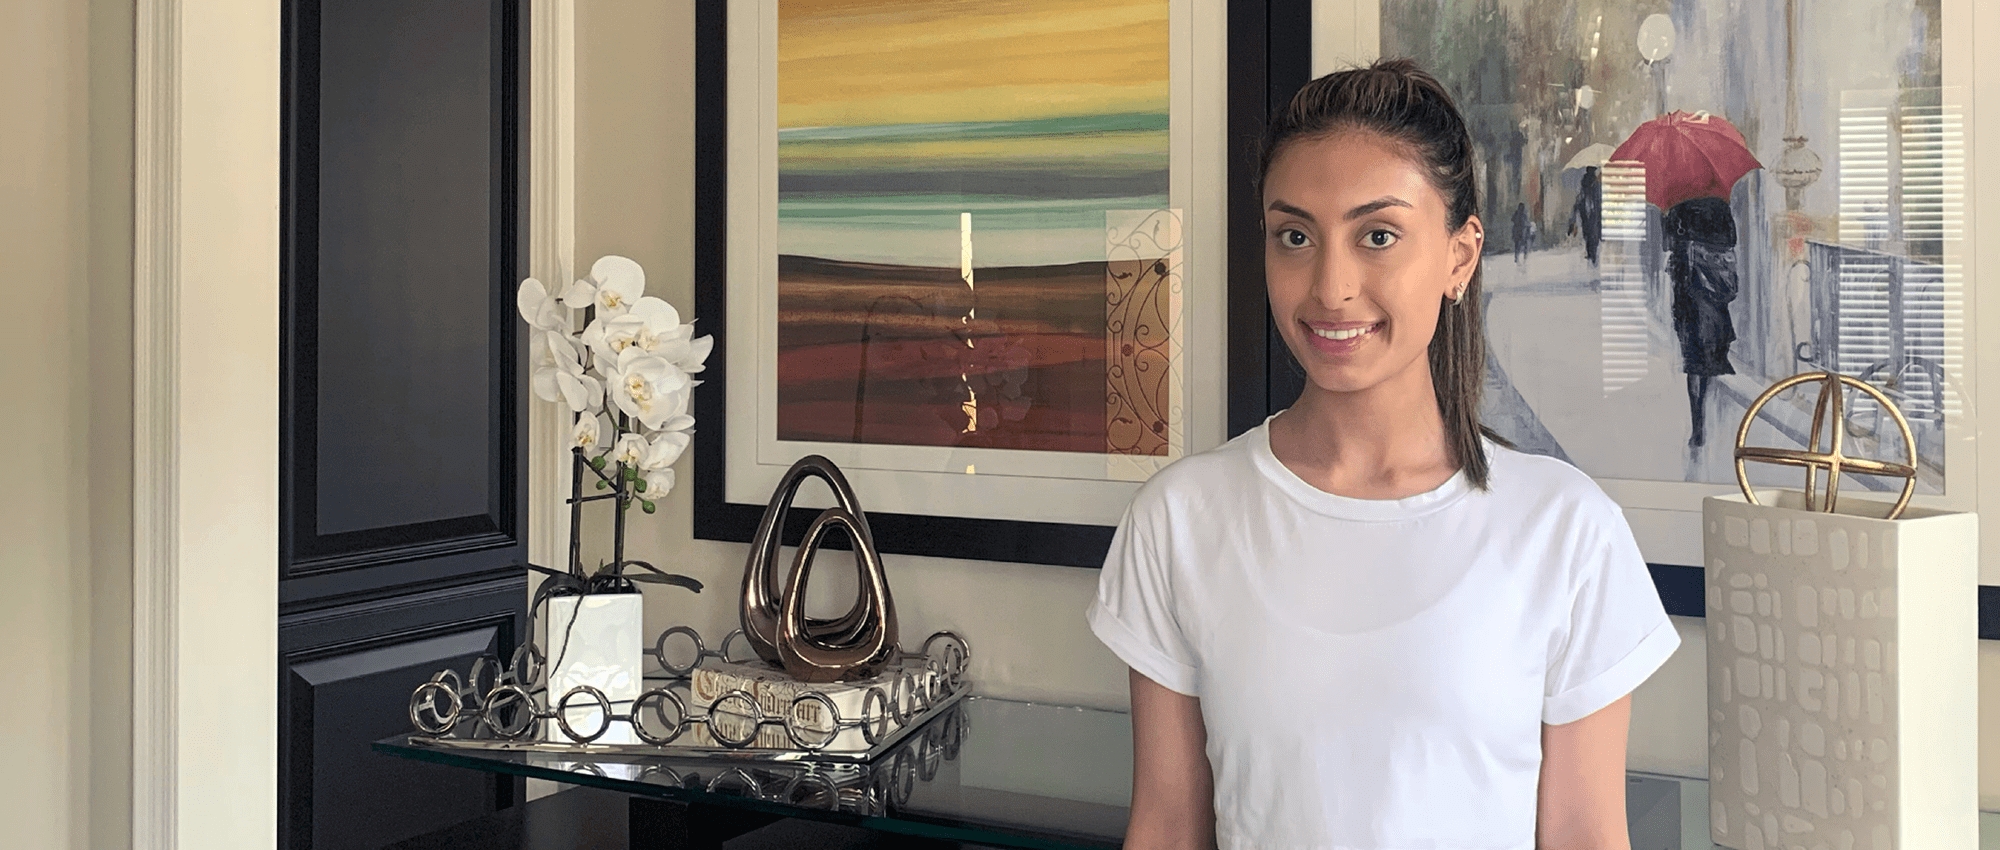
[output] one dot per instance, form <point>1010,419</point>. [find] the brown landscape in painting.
<point>912,356</point>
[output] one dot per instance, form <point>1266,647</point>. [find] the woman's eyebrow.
<point>1377,205</point>
<point>1288,209</point>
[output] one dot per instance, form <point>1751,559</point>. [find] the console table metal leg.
<point>667,825</point>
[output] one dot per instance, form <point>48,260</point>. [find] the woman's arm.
<point>1582,791</point>
<point>1173,805</point>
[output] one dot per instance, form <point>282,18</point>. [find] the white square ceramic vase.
<point>1842,676</point>
<point>596,640</point>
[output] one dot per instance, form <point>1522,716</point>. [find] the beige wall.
<point>65,376</point>
<point>635,164</point>
<point>634,172</point>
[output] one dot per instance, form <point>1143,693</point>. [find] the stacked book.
<point>905,686</point>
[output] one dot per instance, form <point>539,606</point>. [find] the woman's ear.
<point>1466,246</point>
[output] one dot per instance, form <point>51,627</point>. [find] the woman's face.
<point>1357,259</point>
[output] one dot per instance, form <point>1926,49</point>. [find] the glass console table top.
<point>989,771</point>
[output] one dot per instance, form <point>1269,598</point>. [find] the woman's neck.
<point>1384,442</point>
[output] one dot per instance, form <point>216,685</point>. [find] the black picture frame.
<point>1270,58</point>
<point>1270,54</point>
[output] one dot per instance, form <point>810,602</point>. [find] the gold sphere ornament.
<point>1829,417</point>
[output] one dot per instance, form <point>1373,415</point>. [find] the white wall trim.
<point>205,424</point>
<point>155,345</point>
<point>552,260</point>
<point>551,254</point>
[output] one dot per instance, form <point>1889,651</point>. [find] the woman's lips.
<point>1341,338</point>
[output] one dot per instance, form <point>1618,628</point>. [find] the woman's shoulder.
<point>1540,483</point>
<point>1201,475</point>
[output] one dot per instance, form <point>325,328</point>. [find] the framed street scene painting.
<point>972,253</point>
<point>1687,201</point>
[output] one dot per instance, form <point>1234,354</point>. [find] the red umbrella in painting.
<point>1688,155</point>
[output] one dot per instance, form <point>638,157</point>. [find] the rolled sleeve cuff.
<point>1621,679</point>
<point>1138,654</point>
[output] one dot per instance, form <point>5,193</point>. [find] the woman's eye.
<point>1379,239</point>
<point>1292,238</point>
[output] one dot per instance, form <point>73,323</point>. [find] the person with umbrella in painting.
<point>1692,162</point>
<point>1588,213</point>
<point>1701,262</point>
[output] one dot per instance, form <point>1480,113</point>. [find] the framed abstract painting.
<point>1686,202</point>
<point>972,253</point>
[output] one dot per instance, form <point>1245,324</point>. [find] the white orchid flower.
<point>542,366</point>
<point>614,285</point>
<point>580,295</point>
<point>580,391</point>
<point>697,352</point>
<point>589,433</point>
<point>541,310</point>
<point>661,331</point>
<point>677,418</point>
<point>594,338</point>
<point>652,325</point>
<point>644,386</point>
<point>629,450</point>
<point>560,375</point>
<point>659,483</point>
<point>665,448</point>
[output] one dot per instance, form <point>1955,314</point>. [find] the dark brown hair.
<point>1398,101</point>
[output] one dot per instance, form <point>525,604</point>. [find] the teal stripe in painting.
<point>858,194</point>
<point>1070,126</point>
<point>925,211</point>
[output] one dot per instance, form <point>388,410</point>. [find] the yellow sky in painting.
<point>867,62</point>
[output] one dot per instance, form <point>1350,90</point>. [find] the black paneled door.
<point>403,423</point>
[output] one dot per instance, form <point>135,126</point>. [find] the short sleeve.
<point>1133,614</point>
<point>1617,633</point>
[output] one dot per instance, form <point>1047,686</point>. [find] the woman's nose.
<point>1334,280</point>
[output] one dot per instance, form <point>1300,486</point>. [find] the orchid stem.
<point>600,474</point>
<point>577,465</point>
<point>622,489</point>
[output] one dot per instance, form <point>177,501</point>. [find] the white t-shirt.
<point>1374,674</point>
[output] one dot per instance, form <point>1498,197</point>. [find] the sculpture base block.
<point>908,687</point>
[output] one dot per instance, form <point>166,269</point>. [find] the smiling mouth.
<point>1344,334</point>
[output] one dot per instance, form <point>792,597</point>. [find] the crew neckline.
<point>1349,507</point>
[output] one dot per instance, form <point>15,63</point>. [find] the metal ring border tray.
<point>505,706</point>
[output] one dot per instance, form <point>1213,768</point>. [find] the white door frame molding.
<point>552,260</point>
<point>205,397</point>
<point>205,427</point>
<point>551,256</point>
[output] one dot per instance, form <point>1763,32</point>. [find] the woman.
<point>1701,259</point>
<point>1363,624</point>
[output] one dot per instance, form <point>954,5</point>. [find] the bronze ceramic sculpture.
<point>1831,460</point>
<point>810,658</point>
<point>853,645</point>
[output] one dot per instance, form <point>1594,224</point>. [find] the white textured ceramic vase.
<point>1842,676</point>
<point>596,640</point>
